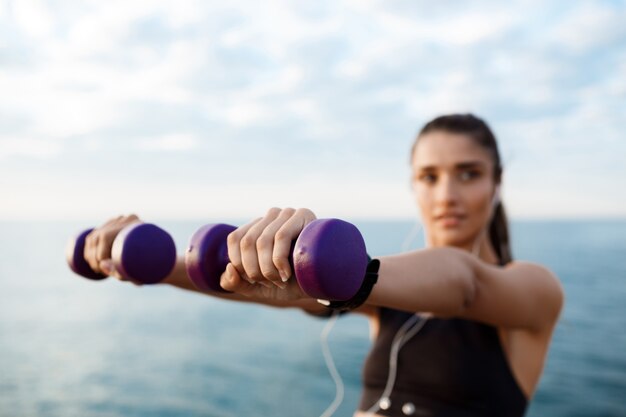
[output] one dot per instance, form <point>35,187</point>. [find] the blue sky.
<point>198,110</point>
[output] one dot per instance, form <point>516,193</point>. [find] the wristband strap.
<point>371,277</point>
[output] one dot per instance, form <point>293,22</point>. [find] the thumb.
<point>232,281</point>
<point>107,266</point>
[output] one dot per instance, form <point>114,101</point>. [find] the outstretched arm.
<point>452,282</point>
<point>98,250</point>
<point>444,281</point>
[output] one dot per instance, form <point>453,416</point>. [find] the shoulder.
<point>532,271</point>
<point>542,281</point>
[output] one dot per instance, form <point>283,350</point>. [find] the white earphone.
<point>496,196</point>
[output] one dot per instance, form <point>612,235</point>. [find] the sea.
<point>74,347</point>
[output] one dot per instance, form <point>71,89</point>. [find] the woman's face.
<point>454,185</point>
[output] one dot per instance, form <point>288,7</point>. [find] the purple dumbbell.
<point>141,252</point>
<point>328,258</point>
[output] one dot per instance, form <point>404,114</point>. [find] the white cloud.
<point>444,98</point>
<point>173,142</point>
<point>320,83</point>
<point>587,25</point>
<point>471,28</point>
<point>30,147</point>
<point>247,113</point>
<point>94,34</point>
<point>71,96</point>
<point>33,17</point>
<point>54,111</point>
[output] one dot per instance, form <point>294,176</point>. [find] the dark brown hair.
<point>479,131</point>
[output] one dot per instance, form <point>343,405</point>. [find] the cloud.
<point>33,17</point>
<point>273,94</point>
<point>587,25</point>
<point>28,147</point>
<point>166,143</point>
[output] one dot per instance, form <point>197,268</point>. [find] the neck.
<point>485,251</point>
<point>480,246</point>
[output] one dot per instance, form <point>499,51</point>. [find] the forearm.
<point>440,281</point>
<point>179,278</point>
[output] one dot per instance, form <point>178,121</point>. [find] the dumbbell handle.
<point>329,258</point>
<point>141,252</point>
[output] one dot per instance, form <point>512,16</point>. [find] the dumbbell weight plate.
<point>330,259</point>
<point>207,256</point>
<point>75,255</point>
<point>144,253</point>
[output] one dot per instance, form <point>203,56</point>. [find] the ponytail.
<point>499,235</point>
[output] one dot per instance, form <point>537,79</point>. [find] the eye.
<point>469,175</point>
<point>428,178</point>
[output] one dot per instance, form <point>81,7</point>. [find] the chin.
<point>452,237</point>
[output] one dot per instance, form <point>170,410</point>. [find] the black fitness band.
<point>371,277</point>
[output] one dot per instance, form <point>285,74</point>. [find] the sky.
<point>203,110</point>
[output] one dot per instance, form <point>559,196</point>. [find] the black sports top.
<point>451,367</point>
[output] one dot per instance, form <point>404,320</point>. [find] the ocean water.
<point>74,347</point>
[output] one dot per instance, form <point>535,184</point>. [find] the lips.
<point>449,219</point>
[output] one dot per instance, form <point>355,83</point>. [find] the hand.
<point>98,244</point>
<point>259,255</point>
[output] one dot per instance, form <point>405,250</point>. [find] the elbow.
<point>466,282</point>
<point>462,283</point>
<point>467,292</point>
<point>457,280</point>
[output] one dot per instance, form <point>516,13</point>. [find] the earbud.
<point>496,197</point>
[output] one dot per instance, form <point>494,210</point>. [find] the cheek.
<point>424,201</point>
<point>479,202</point>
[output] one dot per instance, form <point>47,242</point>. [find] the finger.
<point>232,281</point>
<point>104,244</point>
<point>284,237</point>
<point>107,266</point>
<point>110,222</point>
<point>131,218</point>
<point>265,248</point>
<point>91,243</point>
<point>233,242</point>
<point>92,240</point>
<point>127,220</point>
<point>249,251</point>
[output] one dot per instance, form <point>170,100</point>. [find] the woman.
<point>468,327</point>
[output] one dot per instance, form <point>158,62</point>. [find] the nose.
<point>446,193</point>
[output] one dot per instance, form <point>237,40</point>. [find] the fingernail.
<point>284,276</point>
<point>279,285</point>
<point>323,302</point>
<point>265,284</point>
<point>106,267</point>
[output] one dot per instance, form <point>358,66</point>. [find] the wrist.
<point>363,293</point>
